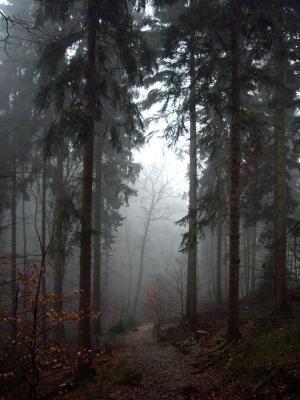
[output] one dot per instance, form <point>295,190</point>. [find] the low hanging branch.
<point>292,104</point>
<point>7,22</point>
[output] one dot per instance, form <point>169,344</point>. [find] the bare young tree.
<point>156,188</point>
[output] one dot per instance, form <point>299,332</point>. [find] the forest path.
<point>167,374</point>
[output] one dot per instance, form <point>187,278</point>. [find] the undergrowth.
<point>260,360</point>
<point>122,326</point>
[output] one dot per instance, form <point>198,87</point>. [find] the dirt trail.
<point>167,374</point>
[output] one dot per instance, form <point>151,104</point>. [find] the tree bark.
<point>253,258</point>
<point>106,288</point>
<point>235,145</point>
<point>14,286</point>
<point>43,240</point>
<point>219,259</point>
<point>84,329</point>
<point>212,268</point>
<point>247,259</point>
<point>98,206</point>
<point>24,229</point>
<point>129,257</point>
<point>59,251</point>
<point>191,292</point>
<point>226,259</point>
<point>280,290</point>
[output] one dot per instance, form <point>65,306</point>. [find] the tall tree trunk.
<point>58,244</point>
<point>219,228</point>
<point>191,292</point>
<point>226,240</point>
<point>129,257</point>
<point>106,283</point>
<point>253,258</point>
<point>14,286</point>
<point>226,260</point>
<point>156,195</point>
<point>84,329</point>
<point>294,261</point>
<point>24,229</point>
<point>43,244</point>
<point>219,259</point>
<point>235,145</point>
<point>98,205</point>
<point>249,231</point>
<point>247,259</point>
<point>212,269</point>
<point>142,261</point>
<point>279,235</point>
<point>129,288</point>
<point>1,243</point>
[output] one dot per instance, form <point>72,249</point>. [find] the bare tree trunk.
<point>106,282</point>
<point>142,261</point>
<point>247,260</point>
<point>97,236</point>
<point>156,196</point>
<point>248,246</point>
<point>191,292</point>
<point>280,175</point>
<point>58,244</point>
<point>226,255</point>
<point>181,294</point>
<point>129,287</point>
<point>14,287</point>
<point>212,269</point>
<point>84,329</point>
<point>294,261</point>
<point>129,257</point>
<point>24,229</point>
<point>219,259</point>
<point>43,240</point>
<point>1,241</point>
<point>235,144</point>
<point>253,258</point>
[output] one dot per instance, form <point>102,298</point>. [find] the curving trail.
<point>167,374</point>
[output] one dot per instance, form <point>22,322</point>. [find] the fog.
<point>149,169</point>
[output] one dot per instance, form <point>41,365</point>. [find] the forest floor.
<point>195,364</point>
<point>187,363</point>
<point>165,372</point>
<point>144,369</point>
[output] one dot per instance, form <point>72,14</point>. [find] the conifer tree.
<point>106,24</point>
<point>284,41</point>
<point>180,63</point>
<point>19,127</point>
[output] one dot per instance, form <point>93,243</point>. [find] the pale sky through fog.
<point>157,152</point>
